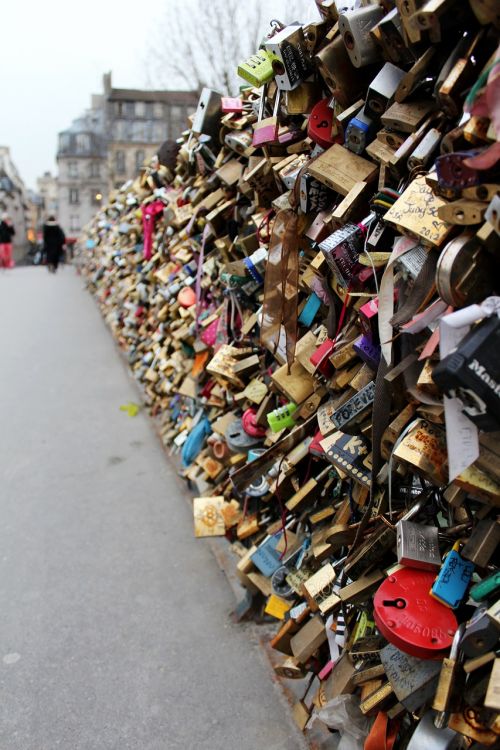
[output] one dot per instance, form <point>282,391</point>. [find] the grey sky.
<point>52,57</point>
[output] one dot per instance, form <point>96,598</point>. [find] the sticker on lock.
<point>409,618</point>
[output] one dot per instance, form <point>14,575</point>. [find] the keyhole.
<point>398,603</point>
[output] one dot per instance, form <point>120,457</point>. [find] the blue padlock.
<point>266,558</point>
<point>453,580</point>
<point>309,310</point>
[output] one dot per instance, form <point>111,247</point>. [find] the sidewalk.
<point>114,621</point>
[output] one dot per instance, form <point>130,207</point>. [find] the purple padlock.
<point>367,351</point>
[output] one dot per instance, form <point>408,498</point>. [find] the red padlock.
<point>249,422</point>
<point>411,619</point>
<point>320,358</point>
<point>319,127</point>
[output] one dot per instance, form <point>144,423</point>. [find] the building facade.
<point>46,187</point>
<point>14,201</point>
<point>108,145</point>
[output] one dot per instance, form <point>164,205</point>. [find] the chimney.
<point>106,83</point>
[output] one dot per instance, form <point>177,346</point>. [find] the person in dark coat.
<point>53,243</point>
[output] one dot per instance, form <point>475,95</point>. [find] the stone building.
<point>82,166</point>
<point>107,145</point>
<point>14,200</point>
<point>46,187</point>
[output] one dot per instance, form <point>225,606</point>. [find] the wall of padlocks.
<point>304,285</point>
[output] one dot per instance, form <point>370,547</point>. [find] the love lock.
<point>280,585</point>
<point>410,618</point>
<point>238,439</point>
<point>427,735</point>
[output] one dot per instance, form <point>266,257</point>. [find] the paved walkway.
<point>114,621</point>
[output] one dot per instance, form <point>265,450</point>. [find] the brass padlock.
<point>450,682</point>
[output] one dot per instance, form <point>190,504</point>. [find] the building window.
<point>94,169</point>
<point>140,109</point>
<point>129,109</point>
<point>159,110</point>
<point>74,196</point>
<point>82,142</point>
<point>138,131</point>
<point>121,130</point>
<point>74,223</point>
<point>140,155</point>
<point>72,169</point>
<point>64,141</point>
<point>160,132</point>
<point>120,162</point>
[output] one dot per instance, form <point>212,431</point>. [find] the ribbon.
<point>281,286</point>
<point>402,245</point>
<point>150,213</point>
<point>383,733</point>
<point>199,272</point>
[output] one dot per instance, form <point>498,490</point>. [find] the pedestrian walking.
<point>7,232</point>
<point>53,243</point>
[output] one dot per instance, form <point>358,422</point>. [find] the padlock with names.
<point>367,351</point>
<point>453,580</point>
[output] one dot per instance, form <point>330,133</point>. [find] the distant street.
<point>114,621</point>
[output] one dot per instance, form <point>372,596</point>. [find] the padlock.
<point>488,588</point>
<point>320,359</point>
<point>481,634</point>
<point>389,34</point>
<point>483,542</point>
<point>368,351</point>
<point>360,132</point>
<point>410,618</point>
<point>472,374</point>
<point>382,89</point>
<point>465,271</point>
<point>417,546</point>
<point>451,682</point>
<point>342,249</point>
<point>413,680</point>
<point>282,417</point>
<point>266,129</point>
<point>291,62</point>
<point>258,69</point>
<point>314,196</point>
<point>424,152</point>
<point>352,411</point>
<point>319,126</point>
<point>207,115</point>
<point>427,735</point>
<point>266,557</point>
<point>355,27</point>
<point>452,172</point>
<point>238,439</point>
<point>453,579</point>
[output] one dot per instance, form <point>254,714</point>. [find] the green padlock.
<point>282,417</point>
<point>258,69</point>
<point>487,588</point>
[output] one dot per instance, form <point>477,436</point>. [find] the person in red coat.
<point>7,232</point>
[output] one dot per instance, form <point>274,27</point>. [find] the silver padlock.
<point>427,737</point>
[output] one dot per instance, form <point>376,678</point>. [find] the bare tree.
<point>200,42</point>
